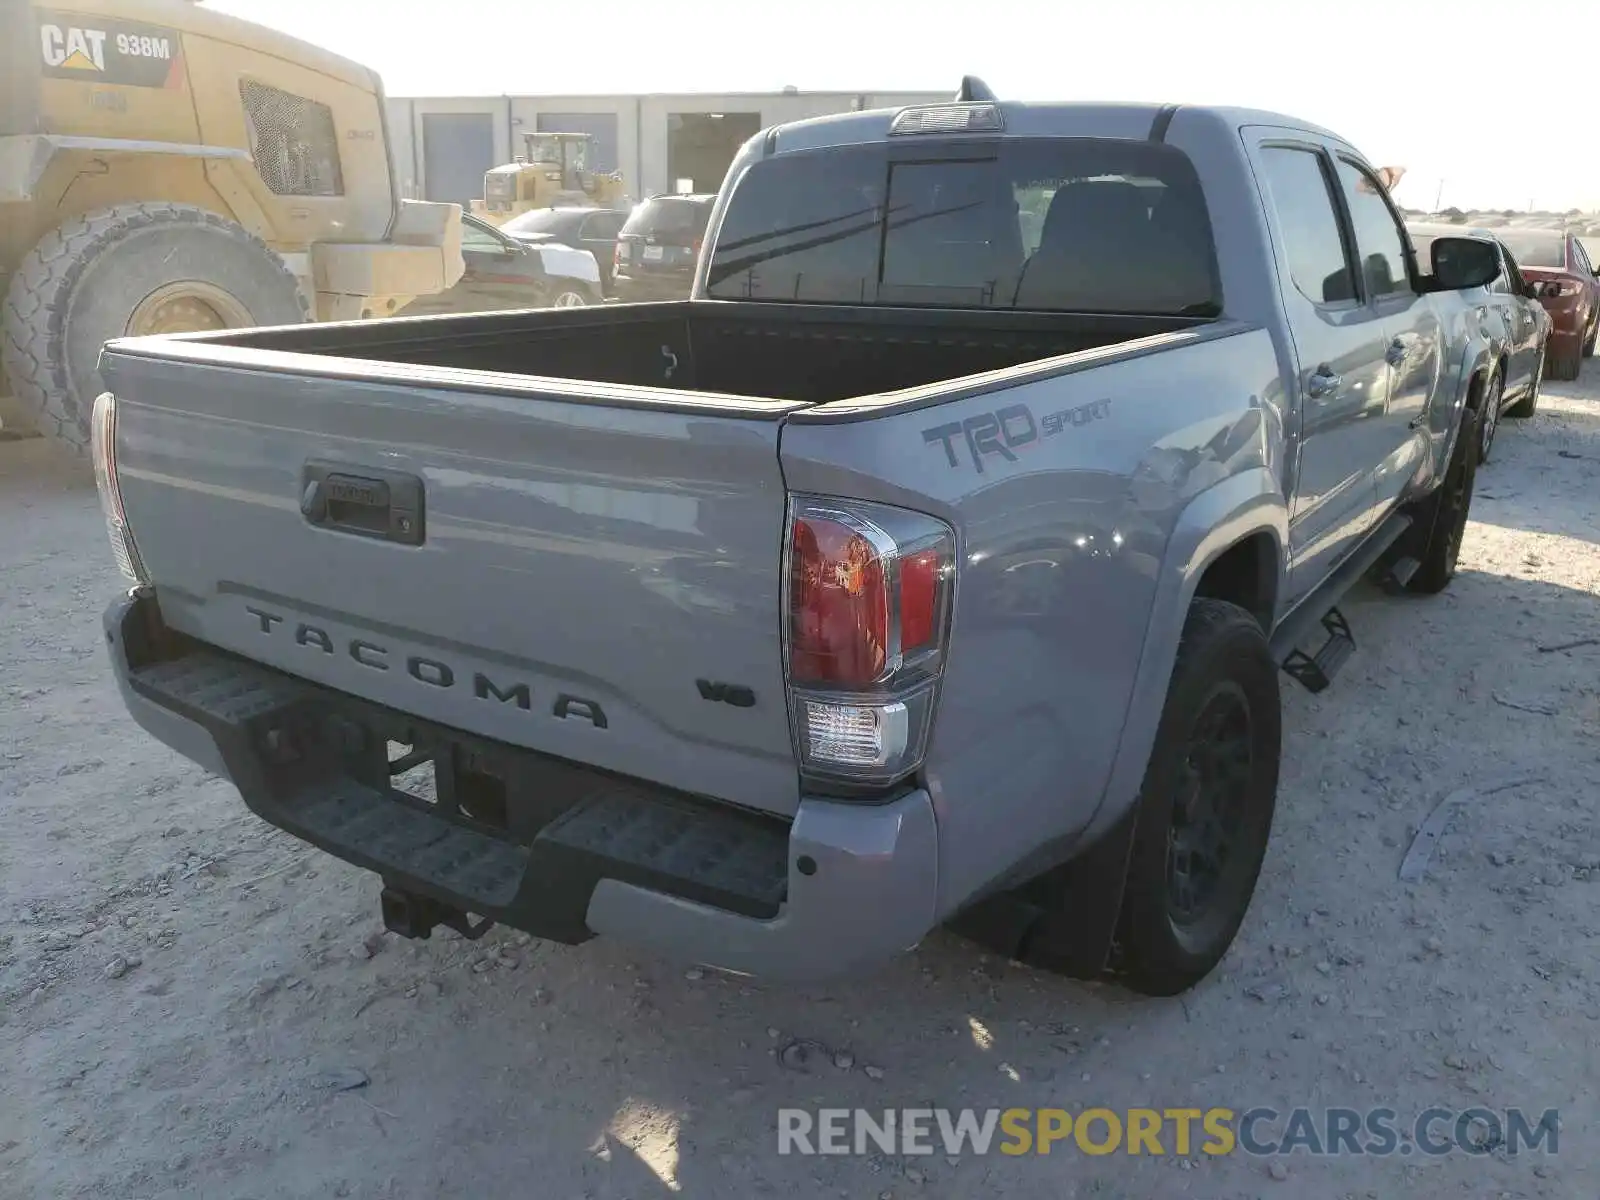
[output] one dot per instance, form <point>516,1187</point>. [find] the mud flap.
<point>1064,922</point>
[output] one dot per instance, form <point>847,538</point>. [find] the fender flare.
<point>1477,359</point>
<point>1090,883</point>
<point>1219,518</point>
<point>28,156</point>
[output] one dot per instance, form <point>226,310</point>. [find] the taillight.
<point>103,449</point>
<point>869,591</point>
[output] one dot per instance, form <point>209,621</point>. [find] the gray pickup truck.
<point>934,564</point>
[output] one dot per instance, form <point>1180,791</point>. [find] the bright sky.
<point>1492,99</point>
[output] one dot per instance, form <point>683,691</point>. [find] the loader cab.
<point>565,156</point>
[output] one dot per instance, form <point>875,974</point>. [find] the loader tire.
<point>128,270</point>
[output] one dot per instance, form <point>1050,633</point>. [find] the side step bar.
<point>1315,671</point>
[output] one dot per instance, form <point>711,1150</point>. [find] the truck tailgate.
<point>594,575</point>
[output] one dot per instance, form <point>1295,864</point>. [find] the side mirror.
<point>1462,263</point>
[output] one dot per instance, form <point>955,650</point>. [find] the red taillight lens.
<point>920,578</point>
<point>867,591</point>
<point>869,602</point>
<point>839,605</point>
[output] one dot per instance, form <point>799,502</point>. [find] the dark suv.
<point>658,247</point>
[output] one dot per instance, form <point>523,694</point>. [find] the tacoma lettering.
<point>436,673</point>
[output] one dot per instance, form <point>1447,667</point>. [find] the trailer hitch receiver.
<point>413,916</point>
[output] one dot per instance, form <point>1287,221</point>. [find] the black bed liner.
<point>813,354</point>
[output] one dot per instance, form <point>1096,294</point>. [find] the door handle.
<point>375,503</point>
<point>1324,381</point>
<point>1396,353</point>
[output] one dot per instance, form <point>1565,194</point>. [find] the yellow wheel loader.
<point>167,168</point>
<point>554,172</point>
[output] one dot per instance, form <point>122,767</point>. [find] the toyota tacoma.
<point>935,563</point>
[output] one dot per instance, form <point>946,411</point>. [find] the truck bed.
<point>563,529</point>
<point>810,354</point>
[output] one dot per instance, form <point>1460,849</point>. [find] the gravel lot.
<point>192,1004</point>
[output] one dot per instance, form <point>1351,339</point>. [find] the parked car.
<point>1569,292</point>
<point>591,229</point>
<point>659,246</point>
<point>1511,320</point>
<point>908,573</point>
<point>502,273</point>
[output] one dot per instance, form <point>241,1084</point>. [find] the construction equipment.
<point>553,172</point>
<point>167,168</point>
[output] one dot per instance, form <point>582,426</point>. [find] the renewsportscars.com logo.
<point>1259,1132</point>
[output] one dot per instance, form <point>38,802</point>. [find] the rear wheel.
<point>129,270</point>
<point>1594,331</point>
<point>1566,367</point>
<point>1206,804</point>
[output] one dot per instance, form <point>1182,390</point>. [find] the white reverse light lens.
<point>102,444</point>
<point>855,735</point>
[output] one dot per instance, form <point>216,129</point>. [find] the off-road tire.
<point>1223,657</point>
<point>1529,404</point>
<point>1489,418</point>
<point>1441,518</point>
<point>79,287</point>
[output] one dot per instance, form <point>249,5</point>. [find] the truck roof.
<point>1022,119</point>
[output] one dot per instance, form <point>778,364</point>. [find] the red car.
<point>1564,282</point>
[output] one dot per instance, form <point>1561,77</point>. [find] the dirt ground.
<point>193,1004</point>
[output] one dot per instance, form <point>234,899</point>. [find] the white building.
<point>443,145</point>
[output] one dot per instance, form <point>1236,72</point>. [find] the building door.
<point>600,126</point>
<point>701,146</point>
<point>457,148</point>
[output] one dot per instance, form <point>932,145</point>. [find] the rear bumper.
<point>569,852</point>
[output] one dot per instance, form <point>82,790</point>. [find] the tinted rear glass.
<point>1547,250</point>
<point>665,215</point>
<point>1084,225</point>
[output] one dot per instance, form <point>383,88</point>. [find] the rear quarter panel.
<point>1086,500</point>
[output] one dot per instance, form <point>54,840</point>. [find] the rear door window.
<point>1084,225</point>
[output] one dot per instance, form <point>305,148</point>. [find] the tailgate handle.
<point>363,500</point>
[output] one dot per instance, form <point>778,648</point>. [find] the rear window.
<point>1080,224</point>
<point>1547,250</point>
<point>666,215</point>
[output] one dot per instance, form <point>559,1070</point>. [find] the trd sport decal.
<point>123,52</point>
<point>1007,430</point>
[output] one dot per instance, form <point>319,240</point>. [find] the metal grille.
<point>292,140</point>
